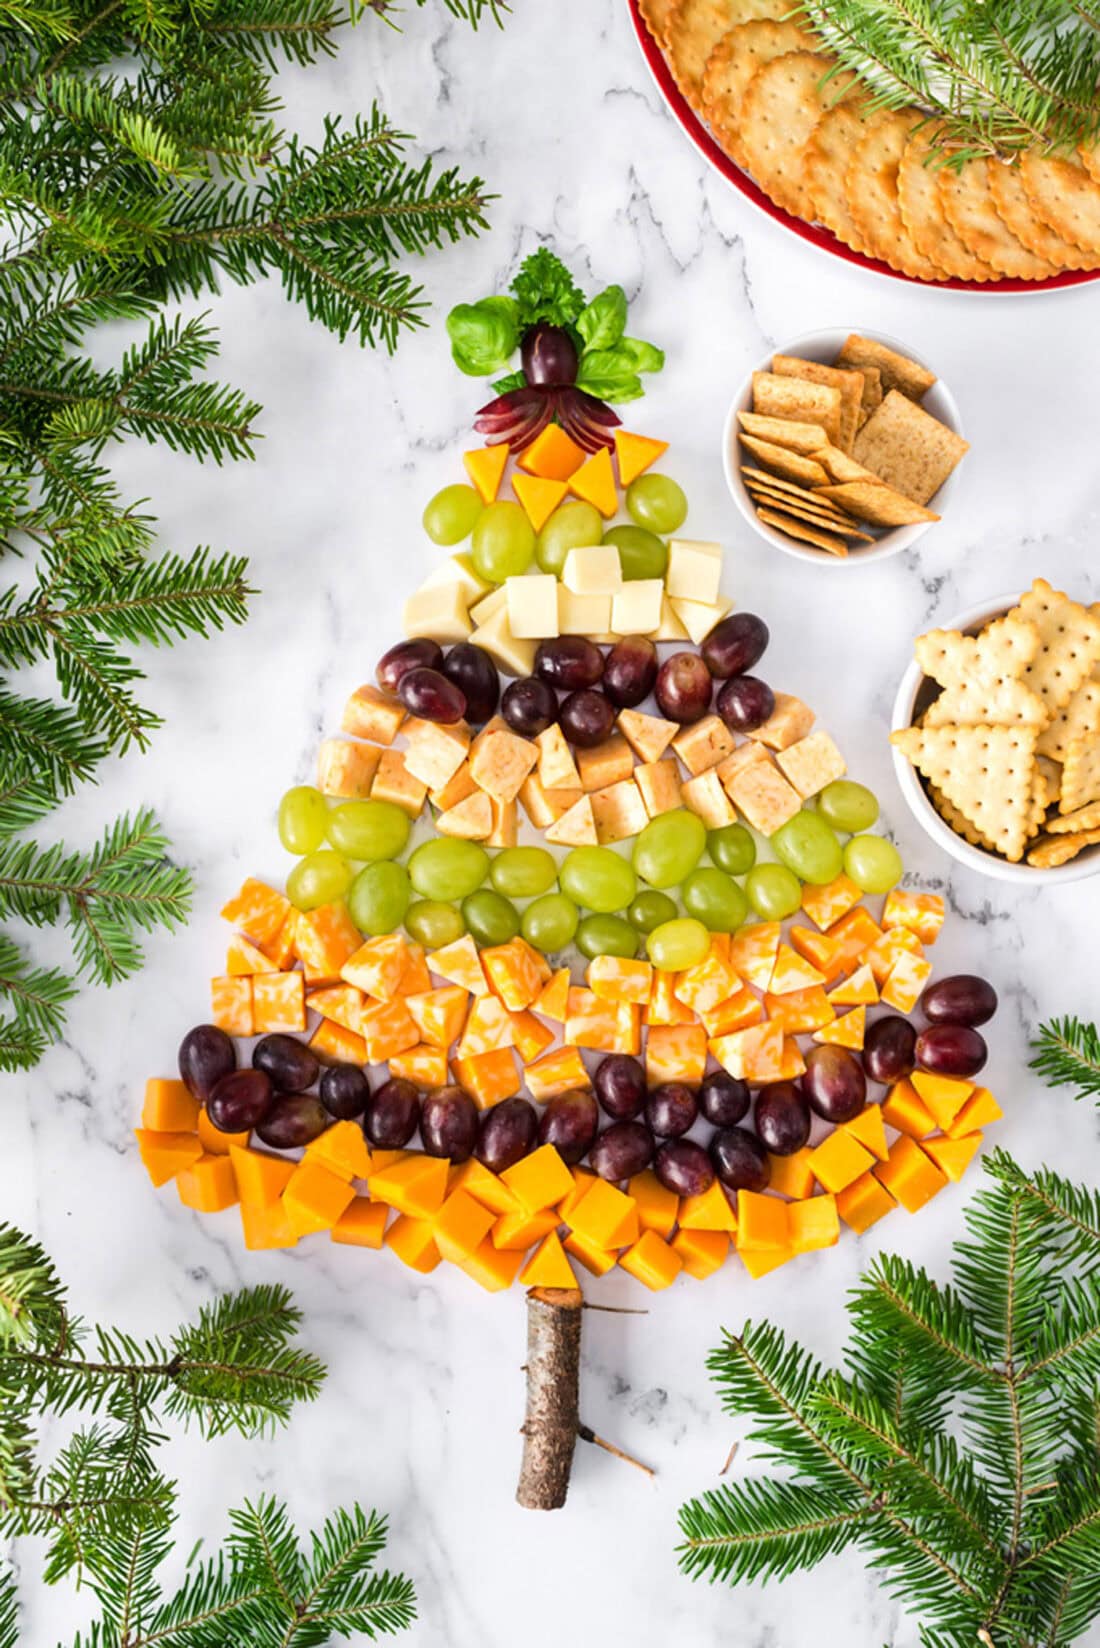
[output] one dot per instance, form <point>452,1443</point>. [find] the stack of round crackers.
<point>780,106</point>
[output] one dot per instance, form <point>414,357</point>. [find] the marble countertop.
<point>424,1400</point>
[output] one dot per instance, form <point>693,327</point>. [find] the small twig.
<point>730,1457</point>
<point>587,1434</point>
<point>618,1310</point>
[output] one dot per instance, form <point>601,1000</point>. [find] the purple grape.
<point>587,718</point>
<point>670,1110</point>
<point>393,1114</point>
<point>288,1062</point>
<point>951,1050</point>
<point>964,998</point>
<point>683,688</point>
<point>740,1160</point>
<point>630,671</point>
<point>735,644</point>
<point>834,1083</point>
<point>476,677</point>
<point>569,1123</point>
<point>449,1124</point>
<point>345,1091</point>
<point>206,1055</point>
<point>723,1099</point>
<point>508,1133</point>
<point>406,656</point>
<point>548,355</point>
<point>293,1121</point>
<point>620,1086</point>
<point>623,1149</point>
<point>529,706</point>
<point>683,1167</point>
<point>431,696</point>
<point>889,1049</point>
<point>745,703</point>
<point>782,1118</point>
<point>240,1101</point>
<point>569,662</point>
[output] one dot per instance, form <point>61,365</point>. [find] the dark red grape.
<point>393,1114</point>
<point>406,656</point>
<point>834,1083</point>
<point>429,695</point>
<point>569,662</point>
<point>240,1101</point>
<point>951,1050</point>
<point>684,1167</point>
<point>723,1099</point>
<point>548,355</point>
<point>630,670</point>
<point>449,1124</point>
<point>623,1149</point>
<point>508,1132</point>
<point>569,1123</point>
<point>620,1086</point>
<point>735,644</point>
<point>683,688</point>
<point>740,1160</point>
<point>889,1049</point>
<point>670,1110</point>
<point>745,703</point>
<point>289,1063</point>
<point>344,1090</point>
<point>587,718</point>
<point>529,706</point>
<point>475,675</point>
<point>206,1055</point>
<point>964,998</point>
<point>293,1121</point>
<point>782,1118</point>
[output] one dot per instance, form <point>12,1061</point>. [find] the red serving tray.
<point>695,129</point>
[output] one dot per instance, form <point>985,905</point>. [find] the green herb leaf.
<point>615,386</point>
<point>603,321</point>
<point>514,380</point>
<point>483,335</point>
<point>546,291</point>
<point>643,357</point>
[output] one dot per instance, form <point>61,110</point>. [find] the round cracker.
<point>656,15</point>
<point>695,27</point>
<point>731,67</point>
<point>1064,195</point>
<point>967,199</point>
<point>871,187</point>
<point>1014,208</point>
<point>922,213</point>
<point>783,104</point>
<point>825,161</point>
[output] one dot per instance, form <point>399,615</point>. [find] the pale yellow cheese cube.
<point>609,763</point>
<point>435,752</point>
<point>459,569</point>
<point>659,786</point>
<point>532,606</point>
<point>593,569</point>
<point>700,617</point>
<point>515,657</point>
<point>619,812</point>
<point>557,768</point>
<point>582,614</point>
<point>636,610</point>
<point>575,828</point>
<point>763,795</point>
<point>544,807</point>
<point>489,605</point>
<point>393,782</point>
<point>705,796</point>
<point>438,612</point>
<point>703,744</point>
<point>371,714</point>
<point>811,763</point>
<point>648,735</point>
<point>670,627</point>
<point>694,570</point>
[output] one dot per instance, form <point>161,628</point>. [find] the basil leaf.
<point>617,386</point>
<point>602,323</point>
<point>483,335</point>
<point>514,380</point>
<point>643,357</point>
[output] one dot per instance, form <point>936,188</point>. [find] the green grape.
<point>550,922</point>
<point>598,879</point>
<point>732,849</point>
<point>433,924</point>
<point>773,891</point>
<point>303,819</point>
<point>873,863</point>
<point>450,515</point>
<point>656,502</point>
<point>715,900</point>
<point>369,830</point>
<point>807,845</point>
<point>379,898</point>
<point>848,806</point>
<point>574,525</point>
<point>669,848</point>
<point>319,878</point>
<point>523,872</point>
<point>642,554</point>
<point>677,945</point>
<point>448,870</point>
<point>503,542</point>
<point>649,909</point>
<point>490,917</point>
<point>606,936</point>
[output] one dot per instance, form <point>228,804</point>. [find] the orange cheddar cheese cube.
<point>461,1225</point>
<point>599,1260</point>
<point>760,1261</point>
<point>614,978</point>
<point>362,1224</point>
<point>169,1107</point>
<point>261,1179</point>
<point>164,1154</point>
<point>838,1160</point>
<point>980,1109</point>
<point>315,1197</point>
<point>827,904</point>
<point>493,1268</point>
<point>539,495</point>
<point>754,1055</point>
<point>868,1128</point>
<point>858,990</point>
<point>553,1001</point>
<point>813,1223</point>
<point>801,1010</point>
<point>485,466</point>
<point>413,1241</point>
<point>904,1109</point>
<point>911,1177</point>
<point>701,1252</point>
<point>792,972</point>
<point>742,1009</point>
<point>594,482</point>
<point>882,955</point>
<point>539,1180</point>
<point>342,1003</point>
<point>657,1207</point>
<point>242,956</point>
<point>343,1150</point>
<point>762,1221</point>
<point>488,1077</point>
<point>604,1215</point>
<point>378,966</point>
<point>258,910</point>
<point>325,939</point>
<point>635,453</point>
<point>332,1041</point>
<point>791,1063</point>
<point>415,1185</point>
<point>852,935</point>
<point>905,984</point>
<point>424,1066</point>
<point>553,455</point>
<point>864,1202</point>
<point>208,1184</point>
<point>792,1175</point>
<point>387,1028</point>
<point>460,963</point>
<point>280,950</point>
<point>847,1031</point>
<point>519,1229</point>
<point>710,1210</point>
<point>538,960</point>
<point>953,1156</point>
<point>820,951</point>
<point>415,980</point>
<point>532,1037</point>
<point>675,1053</point>
<point>512,974</point>
<point>346,768</point>
<point>214,1142</point>
<point>923,913</point>
<point>483,1186</point>
<point>278,1002</point>
<point>266,1225</point>
<point>555,1073</point>
<point>702,988</point>
<point>593,1023</point>
<point>652,1261</point>
<point>943,1095</point>
<point>663,1006</point>
<point>439,1015</point>
<point>548,1266</point>
<point>488,1027</point>
<point>753,952</point>
<point>231,1004</point>
<point>583,1180</point>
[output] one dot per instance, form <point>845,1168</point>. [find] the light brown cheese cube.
<point>505,830</point>
<point>659,784</point>
<point>393,782</point>
<point>347,769</point>
<point>742,757</point>
<point>371,714</point>
<point>557,768</point>
<point>500,761</point>
<point>576,828</point>
<point>609,763</point>
<point>471,820</point>
<point>704,744</point>
<point>435,752</point>
<point>544,807</point>
<point>619,812</point>
<point>455,790</point>
<point>705,796</point>
<point>790,720</point>
<point>763,795</point>
<point>648,735</point>
<point>812,763</point>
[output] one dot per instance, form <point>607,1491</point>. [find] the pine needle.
<point>1067,1054</point>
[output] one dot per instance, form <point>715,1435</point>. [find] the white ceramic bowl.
<point>915,692</point>
<point>824,347</point>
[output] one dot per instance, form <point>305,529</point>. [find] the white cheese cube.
<point>694,569</point>
<point>489,605</point>
<point>593,569</point>
<point>438,613</point>
<point>582,614</point>
<point>636,610</point>
<point>700,617</point>
<point>459,569</point>
<point>515,657</point>
<point>670,628</point>
<point>532,606</point>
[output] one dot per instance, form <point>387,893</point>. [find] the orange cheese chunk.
<point>214,1142</point>
<point>711,982</point>
<point>980,1109</point>
<point>605,1216</point>
<point>905,1110</point>
<point>164,1154</point>
<point>953,1156</point>
<point>387,1028</point>
<point>614,978</point>
<point>852,935</point>
<point>741,1010</point>
<point>923,913</point>
<point>910,1176</point>
<point>759,1261</point>
<point>538,960</point>
<point>424,1066</point>
<point>791,1063</point>
<point>459,963</point>
<point>819,950</point>
<point>701,1252</point>
<point>813,1223</point>
<point>261,1179</point>
<point>539,1180</point>
<point>675,1053</point>
<point>378,966</point>
<point>332,1041</point>
<point>231,1005</point>
<point>594,481</point>
<point>266,1225</point>
<point>599,1260</point>
<point>801,1010</point>
<point>493,1268</point>
<point>315,1197</point>
<point>342,1003</point>
<point>548,1266</point>
<point>439,1015</point>
<point>583,1180</point>
<point>838,1160</point>
<point>280,950</point>
<point>488,1027</point>
<point>605,1026</point>
<point>413,1241</point>
<point>884,953</point>
<point>635,453</point>
<point>243,957</point>
<point>864,1202</point>
<point>169,1107</point>
<point>483,1185</point>
<point>519,1229</point>
<point>652,1261</point>
<point>278,1002</point>
<point>868,1128</point>
<point>905,985</point>
<point>762,1221</point>
<point>754,1055</point>
<point>858,990</point>
<point>847,1031</point>
<point>552,454</point>
<point>663,1006</point>
<point>532,1036</point>
<point>792,972</point>
<point>416,979</point>
<point>416,1184</point>
<point>753,952</point>
<point>827,904</point>
<point>325,939</point>
<point>362,1224</point>
<point>487,1077</point>
<point>485,466</point>
<point>208,1184</point>
<point>555,1073</point>
<point>792,1175</point>
<point>461,1225</point>
<point>258,910</point>
<point>657,1207</point>
<point>711,1210</point>
<point>943,1095</point>
<point>553,1001</point>
<point>343,1150</point>
<point>539,495</point>
<point>512,974</point>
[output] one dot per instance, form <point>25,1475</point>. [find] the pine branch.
<point>37,998</point>
<point>1067,1054</point>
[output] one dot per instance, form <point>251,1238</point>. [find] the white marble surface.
<point>423,1403</point>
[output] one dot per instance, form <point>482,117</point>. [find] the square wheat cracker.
<point>800,437</point>
<point>878,503</point>
<point>849,383</point>
<point>908,448</point>
<point>808,534</point>
<point>895,371</point>
<point>791,465</point>
<point>775,396</point>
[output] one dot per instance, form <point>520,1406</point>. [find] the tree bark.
<point>552,1421</point>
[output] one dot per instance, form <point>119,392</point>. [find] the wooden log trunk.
<point>552,1420</point>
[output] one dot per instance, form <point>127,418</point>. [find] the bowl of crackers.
<point>842,447</point>
<point>997,736</point>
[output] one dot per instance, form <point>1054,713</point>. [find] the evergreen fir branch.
<point>47,740</point>
<point>1069,1214</point>
<point>32,1299</point>
<point>37,998</point>
<point>766,1529</point>
<point>1067,1054</point>
<point>299,31</point>
<point>9,1613</point>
